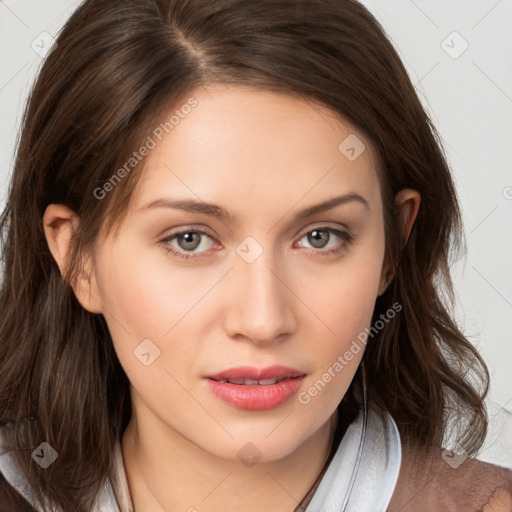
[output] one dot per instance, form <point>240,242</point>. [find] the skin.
<point>263,157</point>
<point>501,501</point>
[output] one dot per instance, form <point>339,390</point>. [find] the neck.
<point>167,472</point>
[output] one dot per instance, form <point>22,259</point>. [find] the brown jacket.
<point>427,483</point>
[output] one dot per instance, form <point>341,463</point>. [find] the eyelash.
<point>344,235</point>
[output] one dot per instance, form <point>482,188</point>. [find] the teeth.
<point>247,382</point>
<point>266,382</point>
<point>251,382</point>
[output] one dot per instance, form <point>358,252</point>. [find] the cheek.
<point>138,303</point>
<point>348,316</point>
<point>338,353</point>
<point>146,298</point>
<point>344,298</point>
<point>139,289</point>
<point>345,303</point>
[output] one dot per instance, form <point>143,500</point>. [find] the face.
<point>191,293</point>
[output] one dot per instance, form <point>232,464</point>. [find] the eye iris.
<point>317,242</point>
<point>188,237</point>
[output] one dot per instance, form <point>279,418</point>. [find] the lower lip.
<point>255,398</point>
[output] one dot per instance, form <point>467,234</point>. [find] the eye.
<point>188,240</point>
<point>320,237</point>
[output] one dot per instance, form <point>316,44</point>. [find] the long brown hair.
<point>117,67</point>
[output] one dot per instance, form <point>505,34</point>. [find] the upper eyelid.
<point>193,229</point>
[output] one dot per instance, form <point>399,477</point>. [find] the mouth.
<point>256,389</point>
<point>250,376</point>
<point>253,382</point>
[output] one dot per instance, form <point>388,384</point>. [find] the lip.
<point>256,397</point>
<point>250,372</point>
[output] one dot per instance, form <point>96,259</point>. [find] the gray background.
<point>468,93</point>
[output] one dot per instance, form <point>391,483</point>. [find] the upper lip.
<point>249,372</point>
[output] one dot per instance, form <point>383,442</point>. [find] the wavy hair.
<point>118,65</point>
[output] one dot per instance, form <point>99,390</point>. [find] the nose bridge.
<point>260,305</point>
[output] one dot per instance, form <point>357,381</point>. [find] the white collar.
<point>371,492</point>
<point>379,466</point>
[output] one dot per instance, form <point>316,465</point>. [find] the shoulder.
<point>438,480</point>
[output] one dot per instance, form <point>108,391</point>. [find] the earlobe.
<point>386,275</point>
<point>60,224</point>
<point>385,280</point>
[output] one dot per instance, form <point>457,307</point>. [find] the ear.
<point>60,224</point>
<point>407,203</point>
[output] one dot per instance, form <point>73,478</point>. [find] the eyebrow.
<point>191,205</point>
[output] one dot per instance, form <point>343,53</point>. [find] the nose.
<point>261,303</point>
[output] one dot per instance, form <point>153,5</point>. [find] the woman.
<point>226,280</point>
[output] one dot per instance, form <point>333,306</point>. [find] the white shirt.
<point>374,483</point>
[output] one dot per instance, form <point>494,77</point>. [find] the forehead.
<point>246,147</point>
